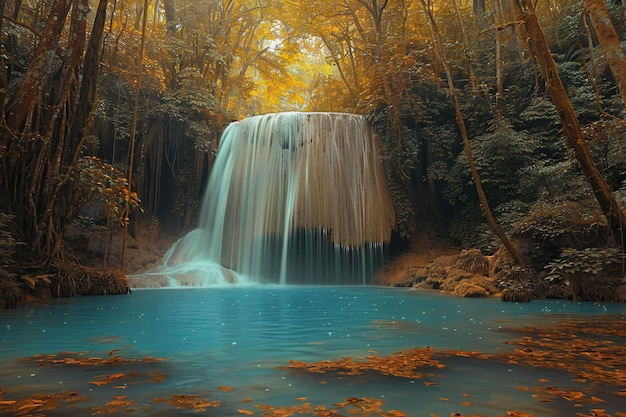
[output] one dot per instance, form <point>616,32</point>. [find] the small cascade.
<point>293,198</point>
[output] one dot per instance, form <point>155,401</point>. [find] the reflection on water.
<point>231,345</point>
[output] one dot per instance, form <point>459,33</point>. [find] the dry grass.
<point>73,279</point>
<point>11,292</point>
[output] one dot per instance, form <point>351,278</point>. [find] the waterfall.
<point>293,198</point>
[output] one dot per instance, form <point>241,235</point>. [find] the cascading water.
<point>293,198</point>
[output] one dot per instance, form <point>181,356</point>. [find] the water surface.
<point>243,337</point>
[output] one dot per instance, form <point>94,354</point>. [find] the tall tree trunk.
<point>511,43</point>
<point>91,72</point>
<point>609,42</point>
<point>484,204</point>
<point>26,136</point>
<point>466,48</point>
<point>499,64</point>
<point>133,136</point>
<point>478,7</point>
<point>574,137</point>
<point>4,77</point>
<point>29,91</point>
<point>57,143</point>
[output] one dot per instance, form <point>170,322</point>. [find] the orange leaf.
<point>246,412</point>
<point>225,389</point>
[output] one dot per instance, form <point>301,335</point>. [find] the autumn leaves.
<point>589,349</point>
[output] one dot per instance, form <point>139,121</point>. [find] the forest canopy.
<point>503,120</point>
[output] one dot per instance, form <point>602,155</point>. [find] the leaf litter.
<point>576,345</point>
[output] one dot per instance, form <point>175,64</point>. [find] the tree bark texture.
<point>91,71</point>
<point>609,42</point>
<point>31,86</point>
<point>574,138</point>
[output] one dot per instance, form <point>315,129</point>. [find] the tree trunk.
<point>4,78</point>
<point>574,137</point>
<point>91,71</point>
<point>609,42</point>
<point>499,65</point>
<point>466,47</point>
<point>133,137</point>
<point>57,143</point>
<point>510,40</point>
<point>484,204</point>
<point>26,136</point>
<point>478,7</point>
<point>31,85</point>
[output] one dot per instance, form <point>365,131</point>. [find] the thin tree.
<point>609,42</point>
<point>466,48</point>
<point>484,204</point>
<point>574,137</point>
<point>133,138</point>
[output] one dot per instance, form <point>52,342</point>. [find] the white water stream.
<point>293,198</point>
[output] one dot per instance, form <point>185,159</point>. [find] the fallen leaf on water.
<point>29,406</point>
<point>247,412</point>
<point>156,376</point>
<point>573,395</point>
<point>466,403</point>
<point>225,389</point>
<point>301,399</point>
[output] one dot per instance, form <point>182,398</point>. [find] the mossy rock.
<point>466,289</point>
<point>472,260</point>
